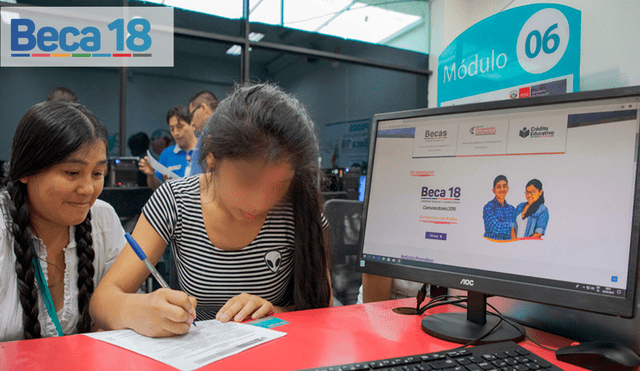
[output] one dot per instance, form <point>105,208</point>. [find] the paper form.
<point>210,341</point>
<point>161,168</point>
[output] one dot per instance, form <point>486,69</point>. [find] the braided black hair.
<point>23,249</point>
<point>48,134</point>
<point>86,254</point>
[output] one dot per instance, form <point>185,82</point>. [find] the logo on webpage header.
<point>481,130</point>
<point>435,134</point>
<point>537,132</point>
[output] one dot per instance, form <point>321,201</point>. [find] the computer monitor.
<point>124,172</point>
<point>127,202</point>
<point>448,186</point>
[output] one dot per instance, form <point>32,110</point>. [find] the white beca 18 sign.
<point>86,36</point>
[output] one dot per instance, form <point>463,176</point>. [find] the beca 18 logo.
<point>24,36</point>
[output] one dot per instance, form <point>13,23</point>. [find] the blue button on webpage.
<point>436,236</point>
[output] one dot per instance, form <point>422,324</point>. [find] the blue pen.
<point>136,248</point>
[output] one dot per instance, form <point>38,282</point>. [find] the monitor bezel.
<point>500,284</point>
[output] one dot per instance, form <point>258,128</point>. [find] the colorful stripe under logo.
<point>80,55</point>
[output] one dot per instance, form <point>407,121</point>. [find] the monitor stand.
<point>466,327</point>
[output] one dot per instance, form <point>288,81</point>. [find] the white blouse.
<point>522,225</point>
<point>108,241</point>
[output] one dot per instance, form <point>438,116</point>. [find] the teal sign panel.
<point>521,52</point>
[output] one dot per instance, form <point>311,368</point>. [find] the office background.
<point>334,91</point>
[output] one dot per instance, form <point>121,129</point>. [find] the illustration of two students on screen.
<point>503,222</point>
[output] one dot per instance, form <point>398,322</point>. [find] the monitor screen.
<point>532,199</point>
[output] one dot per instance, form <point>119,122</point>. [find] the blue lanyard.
<point>46,295</point>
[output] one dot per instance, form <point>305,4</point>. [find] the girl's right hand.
<point>164,313</point>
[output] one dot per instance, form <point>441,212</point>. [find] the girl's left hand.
<point>243,305</point>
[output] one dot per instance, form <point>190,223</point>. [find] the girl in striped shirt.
<point>248,235</point>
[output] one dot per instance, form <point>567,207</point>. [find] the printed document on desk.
<point>210,341</point>
<point>161,168</point>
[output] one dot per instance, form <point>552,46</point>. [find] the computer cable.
<point>511,322</point>
<point>422,294</point>
<point>457,300</point>
<point>444,300</point>
<point>440,300</point>
<point>496,312</point>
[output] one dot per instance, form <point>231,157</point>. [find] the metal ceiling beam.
<point>244,56</point>
<point>338,57</point>
<point>297,50</point>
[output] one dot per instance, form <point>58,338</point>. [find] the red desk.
<point>315,338</point>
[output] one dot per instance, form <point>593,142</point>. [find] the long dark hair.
<point>262,121</point>
<point>536,204</point>
<point>46,135</point>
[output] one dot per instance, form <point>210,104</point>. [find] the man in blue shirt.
<point>178,157</point>
<point>201,106</point>
<point>497,213</point>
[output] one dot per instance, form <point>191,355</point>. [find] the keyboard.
<point>503,356</point>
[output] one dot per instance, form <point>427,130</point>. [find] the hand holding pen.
<point>140,253</point>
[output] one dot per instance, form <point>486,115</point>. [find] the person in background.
<point>201,106</point>
<point>59,93</point>
<point>248,233</point>
<point>139,145</point>
<point>177,157</point>
<point>62,93</point>
<point>57,240</point>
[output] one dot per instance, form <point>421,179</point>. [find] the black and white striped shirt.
<point>210,274</point>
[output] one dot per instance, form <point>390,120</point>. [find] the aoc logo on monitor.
<point>466,282</point>
<point>87,36</point>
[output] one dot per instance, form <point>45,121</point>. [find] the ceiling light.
<point>255,36</point>
<point>235,50</point>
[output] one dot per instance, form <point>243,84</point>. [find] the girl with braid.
<point>248,234</point>
<point>56,240</point>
